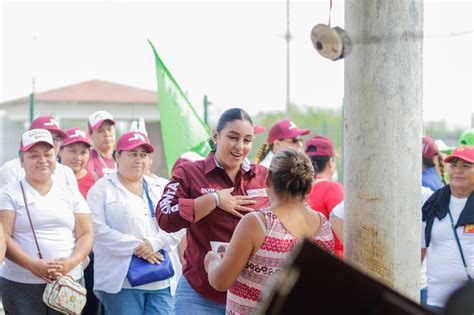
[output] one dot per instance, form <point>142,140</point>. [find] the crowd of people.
<point>79,203</point>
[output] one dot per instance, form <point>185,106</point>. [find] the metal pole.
<point>288,38</point>
<point>205,104</point>
<point>32,102</point>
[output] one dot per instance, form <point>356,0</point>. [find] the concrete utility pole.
<point>383,125</point>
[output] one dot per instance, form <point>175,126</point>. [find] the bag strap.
<point>150,203</point>
<point>459,244</point>
<point>29,219</point>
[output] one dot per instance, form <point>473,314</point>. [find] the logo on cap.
<point>291,126</point>
<point>137,136</point>
<point>78,133</point>
<point>52,122</point>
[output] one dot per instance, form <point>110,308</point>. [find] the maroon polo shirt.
<point>176,211</point>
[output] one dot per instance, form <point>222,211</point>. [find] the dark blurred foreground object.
<point>462,301</point>
<point>315,282</point>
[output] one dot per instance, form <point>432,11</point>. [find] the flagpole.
<point>32,101</point>
<point>288,38</point>
<point>205,109</point>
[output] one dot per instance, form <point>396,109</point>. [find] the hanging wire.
<point>330,12</point>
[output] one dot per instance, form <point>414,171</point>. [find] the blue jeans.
<point>189,301</point>
<point>135,301</point>
<point>423,296</point>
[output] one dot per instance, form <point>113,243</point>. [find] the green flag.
<point>181,128</point>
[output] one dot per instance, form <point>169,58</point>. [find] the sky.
<point>232,51</point>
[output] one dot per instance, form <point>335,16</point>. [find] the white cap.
<point>35,136</point>
<point>97,119</point>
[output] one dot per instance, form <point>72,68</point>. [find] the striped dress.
<point>245,293</point>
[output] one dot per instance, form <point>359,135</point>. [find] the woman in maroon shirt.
<point>208,198</point>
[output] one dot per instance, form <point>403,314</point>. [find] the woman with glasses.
<point>123,213</point>
<point>283,135</point>
<point>325,193</point>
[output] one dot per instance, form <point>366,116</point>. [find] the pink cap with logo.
<point>35,136</point>
<point>429,149</point>
<point>285,129</point>
<point>97,119</point>
<point>48,123</point>
<point>75,135</point>
<point>464,152</point>
<point>132,140</point>
<point>320,146</point>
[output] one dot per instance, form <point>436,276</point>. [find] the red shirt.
<point>86,183</point>
<point>324,196</point>
<point>176,211</point>
<point>100,165</point>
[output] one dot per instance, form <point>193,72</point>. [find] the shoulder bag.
<point>140,271</point>
<point>469,278</point>
<point>64,294</point>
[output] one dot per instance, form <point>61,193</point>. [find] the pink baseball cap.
<point>285,129</point>
<point>97,119</point>
<point>464,152</point>
<point>76,135</point>
<point>131,140</point>
<point>35,136</point>
<point>429,149</point>
<point>320,146</point>
<point>258,129</point>
<point>48,123</point>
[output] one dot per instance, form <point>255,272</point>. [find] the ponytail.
<point>441,167</point>
<point>262,153</point>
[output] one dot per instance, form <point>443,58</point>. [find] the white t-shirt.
<point>53,220</point>
<point>445,269</point>
<point>12,171</point>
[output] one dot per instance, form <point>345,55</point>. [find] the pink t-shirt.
<point>99,165</point>
<point>86,183</point>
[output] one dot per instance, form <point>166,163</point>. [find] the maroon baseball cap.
<point>285,129</point>
<point>132,140</point>
<point>76,135</point>
<point>320,146</point>
<point>429,148</point>
<point>464,152</point>
<point>98,118</point>
<point>258,129</point>
<point>35,136</point>
<point>48,123</point>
